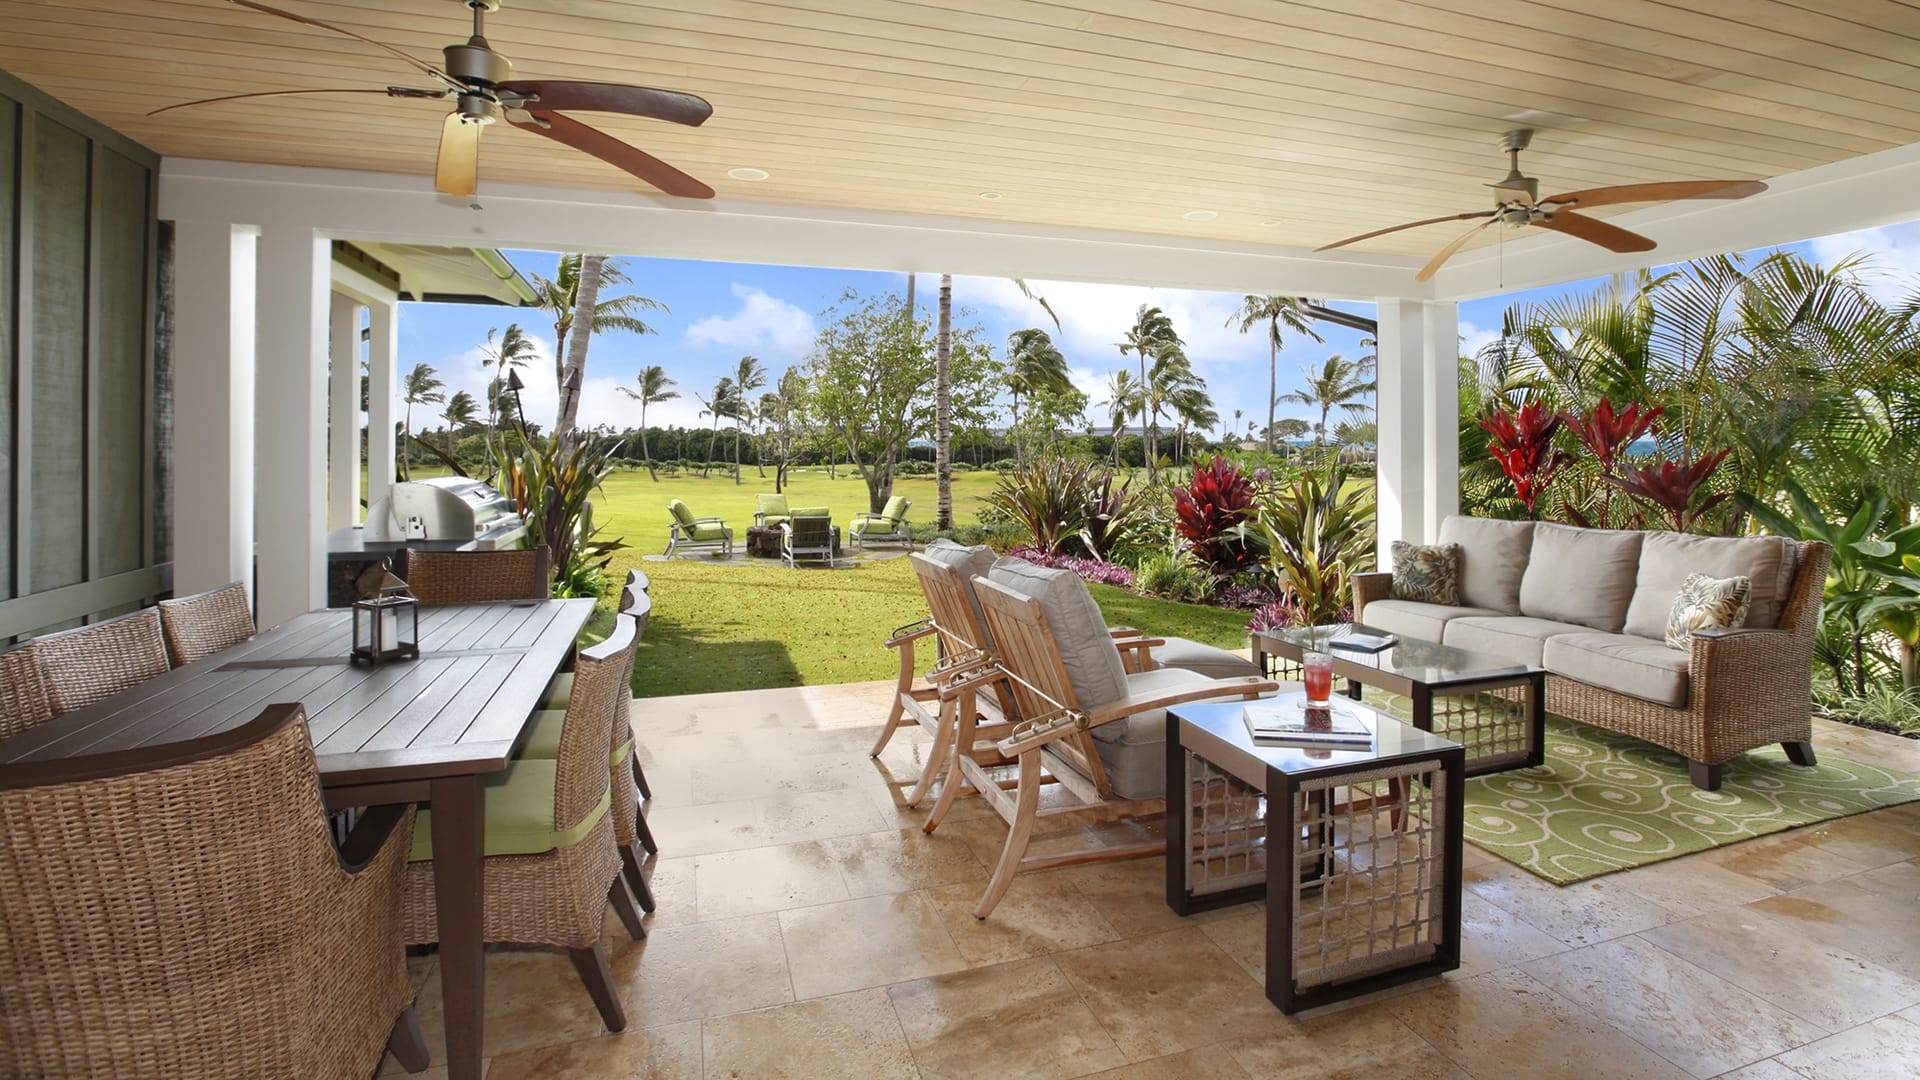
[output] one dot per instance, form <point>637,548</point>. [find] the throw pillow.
<point>1426,573</point>
<point>1705,603</point>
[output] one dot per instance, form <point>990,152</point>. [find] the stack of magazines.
<point>1291,722</point>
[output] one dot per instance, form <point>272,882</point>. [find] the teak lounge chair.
<point>889,526</point>
<point>687,531</point>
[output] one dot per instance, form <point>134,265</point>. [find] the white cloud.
<point>764,324</point>
<point>1473,339</point>
<point>1892,256</point>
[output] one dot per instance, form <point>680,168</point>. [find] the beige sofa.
<point>1590,606</point>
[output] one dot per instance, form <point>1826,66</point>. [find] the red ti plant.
<point>1207,511</point>
<point>1523,446</point>
<point>1606,435</point>
<point>1674,488</point>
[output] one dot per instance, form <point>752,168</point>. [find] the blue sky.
<point>721,311</point>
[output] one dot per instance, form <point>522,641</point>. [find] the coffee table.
<point>1355,850</point>
<point>1494,707</point>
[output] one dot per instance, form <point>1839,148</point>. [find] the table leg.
<point>460,900</point>
<point>1537,718</point>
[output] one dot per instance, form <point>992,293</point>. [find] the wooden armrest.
<point>905,634</point>
<point>1139,643</point>
<point>1123,631</point>
<point>1244,686</point>
<point>369,835</point>
<point>1719,633</point>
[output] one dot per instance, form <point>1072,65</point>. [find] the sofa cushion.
<point>970,562</point>
<point>1515,638</point>
<point>1134,750</point>
<point>1493,558</point>
<point>1214,663</point>
<point>1426,573</point>
<point>1706,603</point>
<point>1667,558</point>
<point>1583,576</point>
<point>1409,618</point>
<point>1623,663</point>
<point>1093,664</point>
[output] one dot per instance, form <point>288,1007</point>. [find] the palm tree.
<point>1233,433</point>
<point>1123,401</point>
<point>421,388</point>
<point>1274,311</point>
<point>721,404</point>
<point>512,350</point>
<point>1152,332</point>
<point>943,409</point>
<point>748,376</point>
<point>459,414</point>
<point>653,387</point>
<point>1340,384</point>
<point>560,298</point>
<point>1173,388</point>
<point>1035,365</point>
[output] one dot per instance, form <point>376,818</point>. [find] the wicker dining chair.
<point>478,577</point>
<point>198,626</point>
<point>548,835</point>
<point>82,666</point>
<point>182,910</point>
<point>23,691</point>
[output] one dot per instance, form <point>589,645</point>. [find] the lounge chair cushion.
<point>709,531</point>
<point>969,562</point>
<point>1214,663</point>
<point>772,506</point>
<point>1514,638</point>
<point>1583,576</point>
<point>1134,750</point>
<point>1087,652</point>
<point>519,810</point>
<point>810,511</point>
<point>1410,618</point>
<point>1493,559</point>
<point>895,510</point>
<point>543,741</point>
<point>1623,663</point>
<point>1666,560</point>
<point>680,512</point>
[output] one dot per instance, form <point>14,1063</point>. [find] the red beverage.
<point>1318,677</point>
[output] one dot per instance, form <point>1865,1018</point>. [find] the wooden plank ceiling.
<point>1292,123</point>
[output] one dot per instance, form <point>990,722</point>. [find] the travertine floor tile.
<point>1688,1015</point>
<point>1040,914</point>
<point>1873,924</point>
<point>1491,937</point>
<point>819,815</point>
<point>1207,1063</point>
<point>1018,1019</point>
<point>870,941</point>
<point>689,972</point>
<point>829,1038</point>
<point>1690,886</point>
<point>1169,992</point>
<point>1353,1044</point>
<point>1886,1049</point>
<point>533,998</point>
<point>1507,1024</point>
<point>1868,839</point>
<point>1131,895</point>
<point>706,828</point>
<point>1769,1069</point>
<point>1580,914</point>
<point>667,1053</point>
<point>1783,860</point>
<point>736,883</point>
<point>902,860</point>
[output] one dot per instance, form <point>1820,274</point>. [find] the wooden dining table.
<point>418,731</point>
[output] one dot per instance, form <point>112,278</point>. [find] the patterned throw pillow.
<point>1427,573</point>
<point>1705,603</point>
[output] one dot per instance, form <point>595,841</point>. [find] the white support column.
<point>213,331</point>
<point>383,360</point>
<point>343,413</point>
<point>1418,420</point>
<point>290,492</point>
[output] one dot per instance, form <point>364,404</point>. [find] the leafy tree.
<point>1152,333</point>
<point>1275,311</point>
<point>1338,384</point>
<point>1034,365</point>
<point>653,388</point>
<point>786,409</point>
<point>460,413</point>
<point>1124,400</point>
<point>749,375</point>
<point>560,298</point>
<point>510,351</point>
<point>421,386</point>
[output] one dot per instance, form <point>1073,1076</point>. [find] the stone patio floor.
<point>808,928</point>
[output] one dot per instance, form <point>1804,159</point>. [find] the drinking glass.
<point>1318,677</point>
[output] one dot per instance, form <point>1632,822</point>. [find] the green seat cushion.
<point>709,532</point>
<point>874,525</point>
<point>680,512</point>
<point>772,505</point>
<point>559,689</point>
<point>519,808</point>
<point>775,519</point>
<point>543,740</point>
<point>895,509</point>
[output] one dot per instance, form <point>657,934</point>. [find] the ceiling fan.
<point>480,83</point>
<point>1517,203</point>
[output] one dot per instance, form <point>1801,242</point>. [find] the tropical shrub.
<point>1319,534</point>
<point>1093,570</point>
<point>551,481</point>
<point>1211,511</point>
<point>1522,443</point>
<point>1048,498</point>
<point>1174,574</point>
<point>1113,513</point>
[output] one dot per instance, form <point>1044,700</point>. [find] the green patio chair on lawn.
<point>774,511</point>
<point>889,526</point>
<point>687,531</point>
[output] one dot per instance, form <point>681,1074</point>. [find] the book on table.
<point>1364,641</point>
<point>1293,722</point>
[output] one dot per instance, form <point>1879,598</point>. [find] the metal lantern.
<point>386,621</point>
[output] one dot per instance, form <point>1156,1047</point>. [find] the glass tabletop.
<point>1392,739</point>
<point>1414,659</point>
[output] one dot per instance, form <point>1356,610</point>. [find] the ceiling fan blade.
<point>613,152</point>
<point>1595,231</point>
<point>1659,192</point>
<point>457,170</point>
<point>611,97</point>
<point>1447,252</point>
<point>391,91</point>
<point>1408,225</point>
<point>419,64</point>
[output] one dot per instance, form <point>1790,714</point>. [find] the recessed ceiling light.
<point>1201,215</point>
<point>1271,222</point>
<point>990,196</point>
<point>750,175</point>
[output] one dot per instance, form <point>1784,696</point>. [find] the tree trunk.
<point>584,301</point>
<point>406,446</point>
<point>1146,435</point>
<point>644,452</point>
<point>943,409</point>
<point>736,455</point>
<point>1273,384</point>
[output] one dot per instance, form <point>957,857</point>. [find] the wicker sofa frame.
<point>1746,688</point>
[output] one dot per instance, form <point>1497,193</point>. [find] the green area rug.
<point>1605,802</point>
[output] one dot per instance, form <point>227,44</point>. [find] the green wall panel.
<point>120,390</point>
<point>56,240</point>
